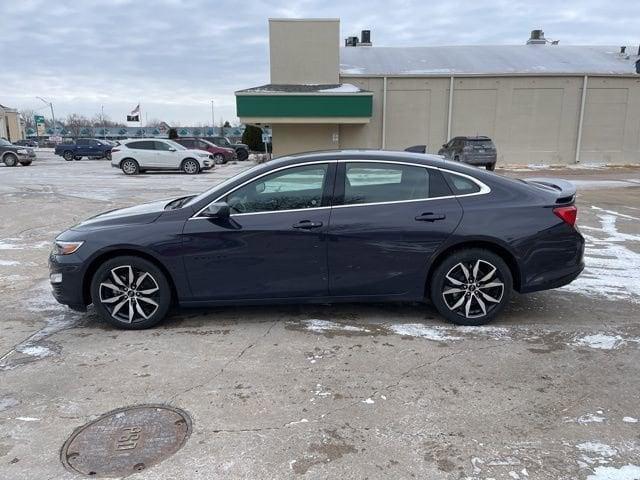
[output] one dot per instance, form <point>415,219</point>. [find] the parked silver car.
<point>479,151</point>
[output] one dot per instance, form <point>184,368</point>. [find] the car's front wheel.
<point>130,167</point>
<point>68,156</point>
<point>242,154</point>
<point>471,286</point>
<point>130,293</point>
<point>190,166</point>
<point>218,159</point>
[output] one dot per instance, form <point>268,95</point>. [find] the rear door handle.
<point>307,225</point>
<point>430,217</point>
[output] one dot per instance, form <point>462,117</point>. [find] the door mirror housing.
<point>171,149</point>
<point>217,211</point>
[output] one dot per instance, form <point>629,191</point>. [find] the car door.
<point>388,219</point>
<point>143,152</point>
<point>272,246</point>
<point>166,155</point>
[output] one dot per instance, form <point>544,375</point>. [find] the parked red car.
<point>220,154</point>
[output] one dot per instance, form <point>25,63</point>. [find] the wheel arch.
<point>122,252</point>
<point>494,247</point>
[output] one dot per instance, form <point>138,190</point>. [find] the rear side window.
<point>187,143</point>
<point>83,141</point>
<point>143,145</point>
<point>384,182</point>
<point>161,146</point>
<point>461,185</point>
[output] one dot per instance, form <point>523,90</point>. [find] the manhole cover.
<point>126,441</point>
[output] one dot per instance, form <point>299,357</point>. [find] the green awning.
<point>341,103</point>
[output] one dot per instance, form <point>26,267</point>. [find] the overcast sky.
<point>174,57</point>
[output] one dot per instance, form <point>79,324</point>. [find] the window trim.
<point>484,188</point>
<point>197,216</point>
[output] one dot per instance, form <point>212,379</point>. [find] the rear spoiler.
<point>565,190</point>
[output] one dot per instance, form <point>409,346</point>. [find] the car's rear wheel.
<point>190,166</point>
<point>242,154</point>
<point>471,286</point>
<point>218,159</point>
<point>130,167</point>
<point>130,293</point>
<point>68,156</point>
<point>10,160</point>
<point>491,166</point>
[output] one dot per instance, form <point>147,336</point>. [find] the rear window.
<point>461,185</point>
<point>143,145</point>
<point>480,142</point>
<point>382,182</point>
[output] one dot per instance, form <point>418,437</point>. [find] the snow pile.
<point>344,88</point>
<point>628,472</point>
<point>321,326</point>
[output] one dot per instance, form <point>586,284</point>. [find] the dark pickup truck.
<point>11,154</point>
<point>84,147</point>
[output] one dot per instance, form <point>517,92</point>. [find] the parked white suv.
<point>139,155</point>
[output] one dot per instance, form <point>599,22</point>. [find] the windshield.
<point>175,145</point>
<point>4,143</point>
<point>224,142</point>
<point>228,181</point>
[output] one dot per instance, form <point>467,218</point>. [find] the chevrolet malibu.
<point>340,226</point>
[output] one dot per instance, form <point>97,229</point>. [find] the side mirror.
<point>171,149</point>
<point>217,211</point>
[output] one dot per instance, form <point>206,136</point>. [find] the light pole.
<point>53,117</point>
<point>213,123</point>
<point>104,124</point>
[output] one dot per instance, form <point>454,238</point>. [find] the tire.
<point>26,163</point>
<point>242,154</point>
<point>219,159</point>
<point>491,166</point>
<point>10,160</point>
<point>456,298</point>
<point>68,156</point>
<point>77,157</point>
<point>129,166</point>
<point>130,293</point>
<point>190,166</point>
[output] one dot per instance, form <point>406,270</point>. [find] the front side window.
<point>202,145</point>
<point>162,146</point>
<point>384,182</point>
<point>291,189</point>
<point>82,141</point>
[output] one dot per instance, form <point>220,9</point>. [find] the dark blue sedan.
<point>338,226</point>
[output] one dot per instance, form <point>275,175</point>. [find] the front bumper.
<point>65,275</point>
<point>29,156</point>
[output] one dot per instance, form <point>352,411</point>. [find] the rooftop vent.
<point>365,37</point>
<point>351,42</point>
<point>537,38</point>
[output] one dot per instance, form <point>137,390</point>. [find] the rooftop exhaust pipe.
<point>537,38</point>
<point>365,38</point>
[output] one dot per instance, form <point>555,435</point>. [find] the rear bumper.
<point>479,159</point>
<point>554,279</point>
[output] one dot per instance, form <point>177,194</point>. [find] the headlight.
<point>204,155</point>
<point>22,151</point>
<point>66,248</point>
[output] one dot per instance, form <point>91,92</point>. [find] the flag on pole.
<point>134,116</point>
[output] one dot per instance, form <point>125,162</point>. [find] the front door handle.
<point>430,217</point>
<point>307,225</point>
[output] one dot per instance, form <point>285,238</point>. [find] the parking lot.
<point>549,390</point>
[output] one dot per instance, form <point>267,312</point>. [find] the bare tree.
<point>99,120</point>
<point>28,116</point>
<point>75,123</point>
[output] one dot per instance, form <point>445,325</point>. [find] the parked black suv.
<point>11,154</point>
<point>242,150</point>
<point>478,151</point>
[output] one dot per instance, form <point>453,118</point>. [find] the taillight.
<point>567,214</point>
<point>115,150</point>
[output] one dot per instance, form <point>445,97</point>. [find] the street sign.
<point>39,120</point>
<point>266,138</point>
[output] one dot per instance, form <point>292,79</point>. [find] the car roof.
<point>359,154</point>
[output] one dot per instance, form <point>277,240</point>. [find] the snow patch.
<point>591,418</point>
<point>627,472</point>
<point>34,350</point>
<point>7,402</point>
<point>630,420</point>
<point>600,341</point>
<point>369,401</point>
<point>437,334</point>
<point>8,263</point>
<point>28,419</point>
<point>344,88</point>
<point>598,449</point>
<point>321,326</point>
<point>612,269</point>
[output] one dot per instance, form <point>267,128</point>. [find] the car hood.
<point>140,214</point>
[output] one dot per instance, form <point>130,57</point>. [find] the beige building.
<point>539,102</point>
<point>11,127</point>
